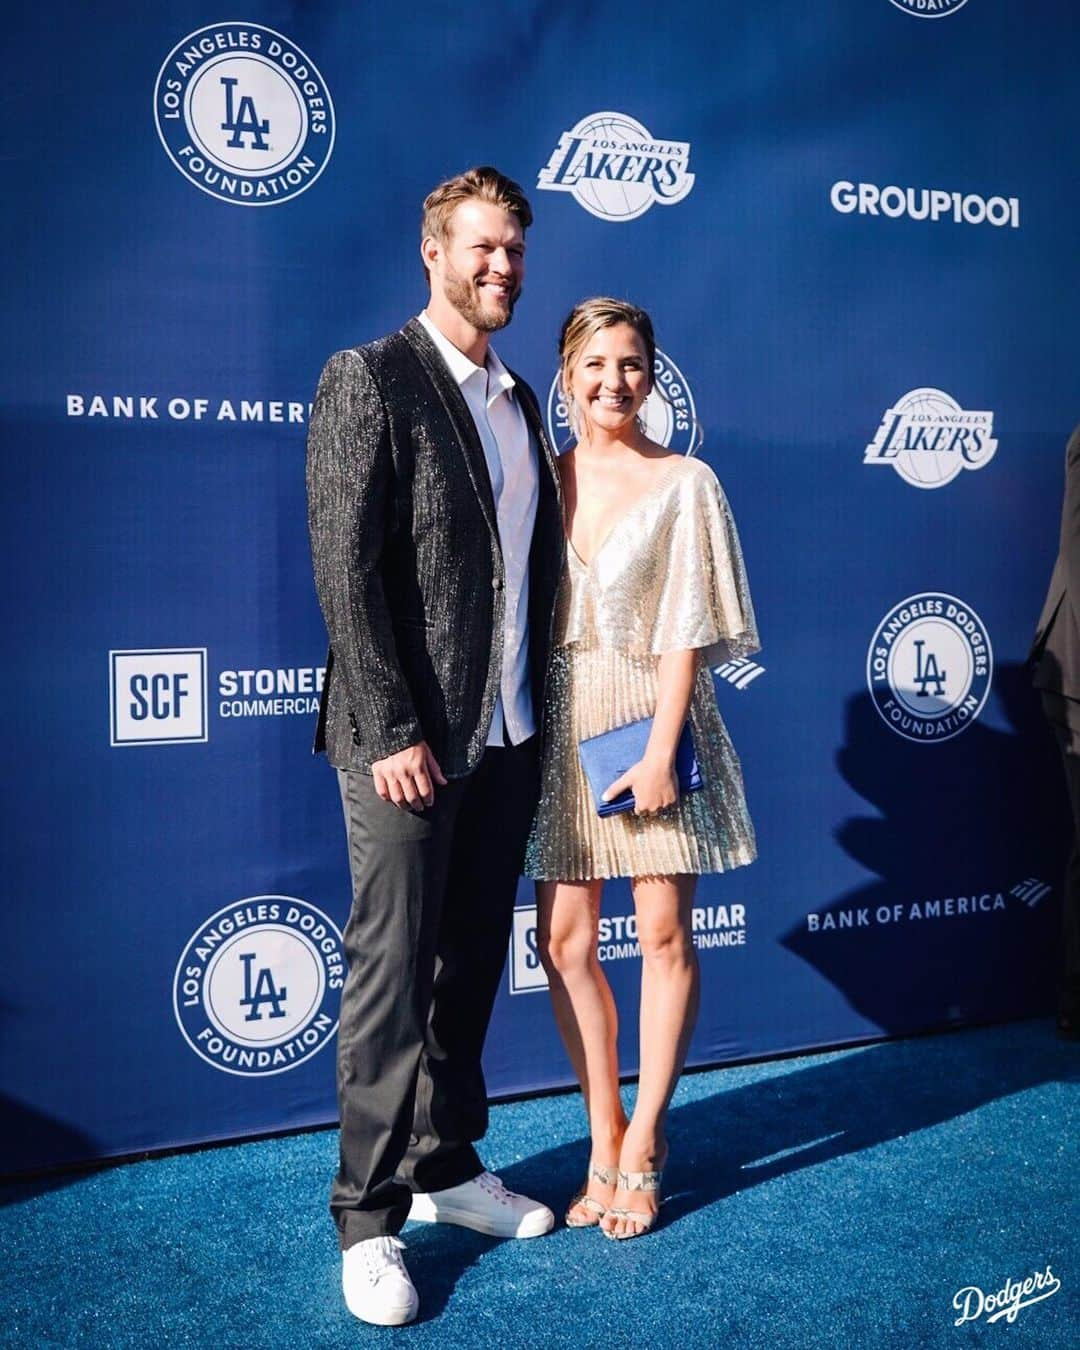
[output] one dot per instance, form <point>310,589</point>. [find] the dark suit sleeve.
<point>1069,546</point>
<point>350,477</point>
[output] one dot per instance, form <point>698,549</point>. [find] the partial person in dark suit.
<point>1056,655</point>
<point>436,534</point>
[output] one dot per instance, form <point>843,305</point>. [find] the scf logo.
<point>157,696</point>
<point>526,972</point>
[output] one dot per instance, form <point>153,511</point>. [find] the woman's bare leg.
<point>669,1006</point>
<point>568,916</point>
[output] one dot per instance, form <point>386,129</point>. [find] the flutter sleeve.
<point>704,599</point>
<point>678,582</point>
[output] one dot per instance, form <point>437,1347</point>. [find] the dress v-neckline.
<point>661,480</point>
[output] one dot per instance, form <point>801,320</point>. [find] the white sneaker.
<point>484,1203</point>
<point>376,1284</point>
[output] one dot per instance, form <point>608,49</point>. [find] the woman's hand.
<point>653,783</point>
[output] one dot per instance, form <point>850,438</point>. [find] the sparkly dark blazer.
<point>407,560</point>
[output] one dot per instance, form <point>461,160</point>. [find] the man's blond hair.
<point>483,184</point>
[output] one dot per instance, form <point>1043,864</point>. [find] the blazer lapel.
<point>536,427</point>
<point>453,400</point>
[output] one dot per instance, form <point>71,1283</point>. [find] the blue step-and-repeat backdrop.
<point>855,224</point>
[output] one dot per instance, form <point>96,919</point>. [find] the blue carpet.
<point>836,1199</point>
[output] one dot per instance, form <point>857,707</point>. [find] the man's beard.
<point>463,296</point>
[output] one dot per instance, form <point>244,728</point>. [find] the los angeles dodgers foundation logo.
<point>929,667</point>
<point>668,412</point>
<point>244,114</point>
<point>257,988</point>
<point>929,9</point>
<point>616,169</point>
<point>928,439</point>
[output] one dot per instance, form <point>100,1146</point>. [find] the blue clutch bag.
<point>608,756</point>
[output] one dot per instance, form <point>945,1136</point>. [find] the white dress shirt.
<point>515,485</point>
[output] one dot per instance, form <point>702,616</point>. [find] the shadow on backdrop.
<point>54,1138</point>
<point>979,820</point>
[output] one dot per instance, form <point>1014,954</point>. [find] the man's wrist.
<point>388,745</point>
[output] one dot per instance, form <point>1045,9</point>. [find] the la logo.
<point>244,120</point>
<point>264,991</point>
<point>928,672</point>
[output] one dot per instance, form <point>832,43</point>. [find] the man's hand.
<point>408,778</point>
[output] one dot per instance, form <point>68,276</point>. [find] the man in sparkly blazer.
<point>1056,654</point>
<point>437,542</point>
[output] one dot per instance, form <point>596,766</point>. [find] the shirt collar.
<point>496,377</point>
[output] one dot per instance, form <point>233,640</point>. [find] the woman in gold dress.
<point>654,593</point>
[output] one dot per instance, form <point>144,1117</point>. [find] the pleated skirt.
<point>591,690</point>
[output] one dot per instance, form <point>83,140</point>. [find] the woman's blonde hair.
<point>587,318</point>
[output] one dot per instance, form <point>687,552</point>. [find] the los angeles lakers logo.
<point>929,667</point>
<point>244,114</point>
<point>928,438</point>
<point>616,169</point>
<point>257,988</point>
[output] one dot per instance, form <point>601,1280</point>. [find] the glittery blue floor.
<point>837,1199</point>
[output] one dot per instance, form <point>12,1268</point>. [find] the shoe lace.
<point>382,1256</point>
<point>494,1187</point>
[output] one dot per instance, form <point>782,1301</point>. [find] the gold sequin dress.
<point>669,576</point>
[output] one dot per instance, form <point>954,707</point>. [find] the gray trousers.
<point>426,941</point>
<point>1063,714</point>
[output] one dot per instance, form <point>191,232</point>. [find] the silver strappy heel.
<point>607,1176</point>
<point>634,1181</point>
